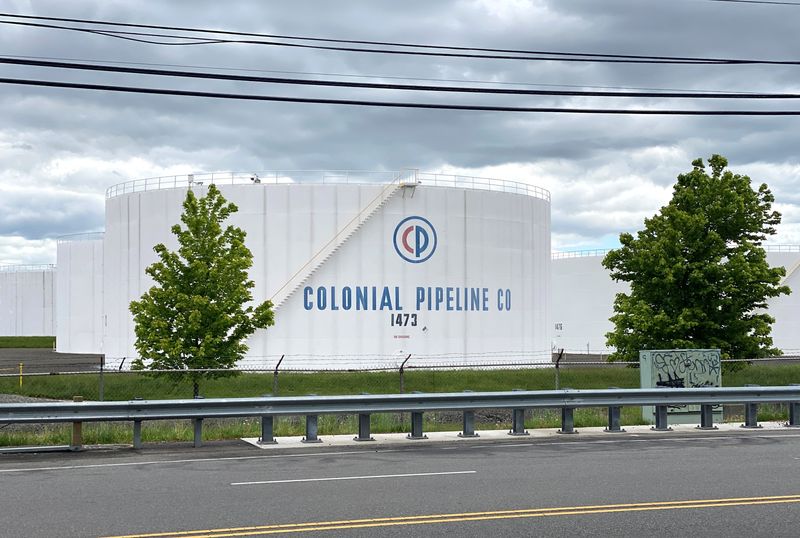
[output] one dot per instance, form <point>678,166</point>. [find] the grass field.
<point>125,386</point>
<point>27,342</point>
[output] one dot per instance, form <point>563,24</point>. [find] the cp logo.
<point>415,239</point>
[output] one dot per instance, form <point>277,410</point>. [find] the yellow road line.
<point>468,516</point>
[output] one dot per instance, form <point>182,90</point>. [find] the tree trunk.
<point>196,390</point>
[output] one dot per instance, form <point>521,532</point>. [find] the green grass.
<point>125,386</point>
<point>27,342</point>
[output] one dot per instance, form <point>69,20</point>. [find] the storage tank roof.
<point>356,177</point>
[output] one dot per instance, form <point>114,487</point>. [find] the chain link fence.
<point>94,380</point>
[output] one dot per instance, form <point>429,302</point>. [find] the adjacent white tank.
<point>79,311</point>
<point>786,308</point>
<point>583,300</point>
<point>363,273</point>
<point>26,300</point>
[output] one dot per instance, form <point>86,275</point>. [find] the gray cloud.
<point>606,172</point>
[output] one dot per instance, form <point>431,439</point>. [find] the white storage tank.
<point>786,308</point>
<point>26,300</point>
<point>583,300</point>
<point>79,305</point>
<point>364,268</point>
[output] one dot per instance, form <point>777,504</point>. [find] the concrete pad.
<point>386,439</point>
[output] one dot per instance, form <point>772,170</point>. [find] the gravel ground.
<point>45,360</point>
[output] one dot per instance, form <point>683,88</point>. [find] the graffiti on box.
<point>685,368</point>
<point>679,369</point>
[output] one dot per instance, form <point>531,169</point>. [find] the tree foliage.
<point>199,312</point>
<point>698,273</point>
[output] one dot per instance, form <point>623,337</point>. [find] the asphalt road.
<point>704,484</point>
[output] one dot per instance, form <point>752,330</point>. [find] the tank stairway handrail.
<point>342,235</point>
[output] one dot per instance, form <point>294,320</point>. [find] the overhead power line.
<point>190,41</point>
<point>393,104</point>
<point>772,2</point>
<point>367,76</point>
<point>424,49</point>
<point>384,86</point>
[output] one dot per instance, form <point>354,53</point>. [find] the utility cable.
<point>352,75</point>
<point>393,104</point>
<point>197,41</point>
<point>769,2</point>
<point>383,86</point>
<point>500,52</point>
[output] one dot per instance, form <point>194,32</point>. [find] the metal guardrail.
<point>311,406</point>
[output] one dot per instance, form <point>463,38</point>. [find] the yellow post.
<point>20,375</point>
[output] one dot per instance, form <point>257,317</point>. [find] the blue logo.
<point>415,239</point>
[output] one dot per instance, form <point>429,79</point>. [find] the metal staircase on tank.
<point>305,272</point>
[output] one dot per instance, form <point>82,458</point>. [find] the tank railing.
<point>781,248</point>
<point>604,251</point>
<point>82,236</point>
<point>579,253</point>
<point>356,177</point>
<point>27,268</point>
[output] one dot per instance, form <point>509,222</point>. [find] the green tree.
<point>198,314</point>
<point>698,273</point>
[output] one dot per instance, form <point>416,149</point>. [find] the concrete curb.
<point>386,439</point>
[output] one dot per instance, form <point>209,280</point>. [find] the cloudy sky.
<point>61,148</point>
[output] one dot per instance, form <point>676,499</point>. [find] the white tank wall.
<point>493,240</point>
<point>79,311</point>
<point>583,302</point>
<point>26,301</point>
<point>786,308</point>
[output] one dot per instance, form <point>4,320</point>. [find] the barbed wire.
<point>410,366</point>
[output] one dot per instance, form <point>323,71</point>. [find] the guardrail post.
<point>198,432</point>
<point>567,420</point>
<point>468,422</point>
<point>662,424</point>
<point>468,425</point>
<point>518,422</point>
<point>77,430</point>
<point>137,434</point>
<point>614,412</point>
<point>794,415</point>
<point>706,417</point>
<point>750,414</point>
<point>267,437</point>
<point>416,426</point>
<point>311,430</point>
<point>794,412</point>
<point>614,420</point>
<point>363,428</point>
